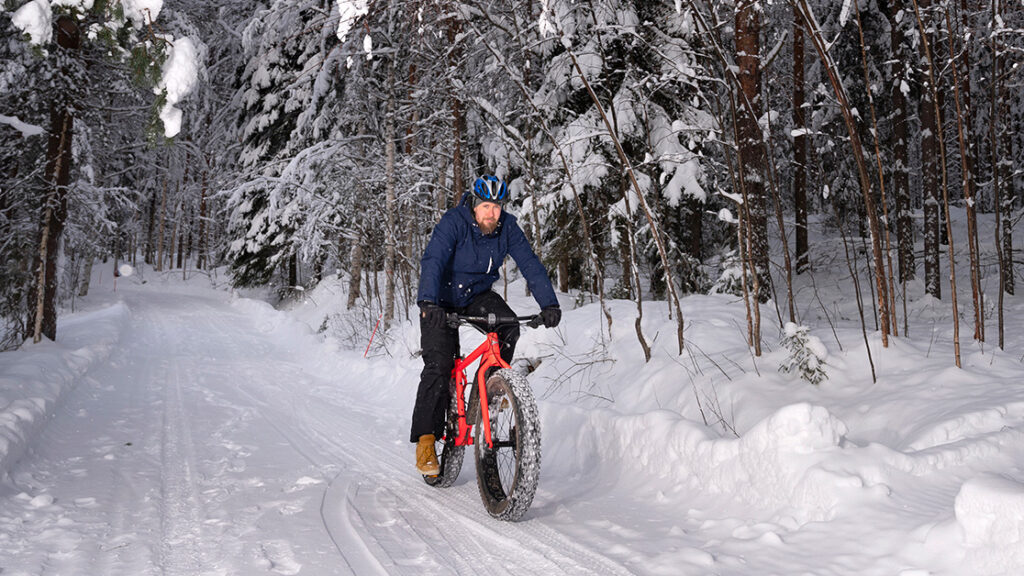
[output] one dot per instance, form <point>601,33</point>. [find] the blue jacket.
<point>460,262</point>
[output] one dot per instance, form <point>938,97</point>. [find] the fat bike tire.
<point>507,474</point>
<point>450,456</point>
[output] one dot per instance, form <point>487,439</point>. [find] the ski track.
<point>202,448</point>
<point>181,515</point>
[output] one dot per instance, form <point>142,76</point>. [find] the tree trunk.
<point>799,148</point>
<point>871,212</point>
<point>181,238</point>
<point>174,238</point>
<point>43,315</point>
<point>293,271</point>
<point>441,196</point>
<point>355,276</point>
<point>885,283</point>
<point>83,287</point>
<point>391,205</point>
<point>930,182</point>
<point>900,181</point>
<point>563,272</point>
<point>458,117</point>
<point>163,218</point>
<point>753,163</point>
<point>151,229</point>
<point>935,96</point>
<point>189,237</point>
<point>201,260</point>
<point>962,103</point>
<point>1006,165</point>
<point>997,193</point>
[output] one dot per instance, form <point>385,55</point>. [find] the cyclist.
<point>459,265</point>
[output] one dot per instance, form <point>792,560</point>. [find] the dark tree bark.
<point>799,148</point>
<point>355,277</point>
<point>932,197</point>
<point>151,229</point>
<point>201,259</point>
<point>391,202</point>
<point>753,164</point>
<point>458,114</point>
<point>1005,264</point>
<point>900,181</point>
<point>293,270</point>
<point>43,312</point>
<point>1006,167</point>
<point>181,239</point>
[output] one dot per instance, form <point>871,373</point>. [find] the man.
<point>459,265</point>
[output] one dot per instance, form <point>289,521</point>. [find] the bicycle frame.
<point>489,354</point>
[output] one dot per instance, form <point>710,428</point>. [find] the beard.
<point>487,226</point>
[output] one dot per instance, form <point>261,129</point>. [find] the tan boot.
<point>426,456</point>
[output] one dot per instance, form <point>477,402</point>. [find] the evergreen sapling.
<point>806,354</point>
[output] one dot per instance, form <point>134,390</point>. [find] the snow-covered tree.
<point>807,354</point>
<point>67,33</point>
<point>290,50</point>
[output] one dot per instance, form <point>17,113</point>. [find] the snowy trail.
<point>205,447</point>
<point>200,434</point>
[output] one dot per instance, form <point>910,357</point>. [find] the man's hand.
<point>432,315</point>
<point>551,316</point>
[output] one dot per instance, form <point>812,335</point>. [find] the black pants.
<point>440,347</point>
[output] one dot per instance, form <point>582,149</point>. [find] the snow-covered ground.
<point>177,428</point>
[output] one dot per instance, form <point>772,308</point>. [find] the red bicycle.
<point>499,418</point>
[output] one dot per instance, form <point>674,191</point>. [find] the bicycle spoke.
<point>504,441</point>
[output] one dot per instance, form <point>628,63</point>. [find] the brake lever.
<point>536,322</point>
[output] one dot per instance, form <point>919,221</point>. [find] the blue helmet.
<point>489,188</point>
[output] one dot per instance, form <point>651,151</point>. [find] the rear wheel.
<point>450,456</point>
<point>507,473</point>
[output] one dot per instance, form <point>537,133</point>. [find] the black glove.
<point>551,316</point>
<point>432,315</point>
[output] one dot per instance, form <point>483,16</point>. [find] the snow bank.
<point>780,466</point>
<point>269,320</point>
<point>34,378</point>
<point>969,425</point>
<point>990,512</point>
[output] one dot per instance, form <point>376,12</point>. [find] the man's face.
<point>486,215</point>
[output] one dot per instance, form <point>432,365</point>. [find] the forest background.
<point>654,148</point>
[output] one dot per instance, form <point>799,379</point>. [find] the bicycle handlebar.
<point>492,321</point>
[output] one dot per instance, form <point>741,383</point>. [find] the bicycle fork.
<point>492,360</point>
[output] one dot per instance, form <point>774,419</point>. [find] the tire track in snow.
<point>399,513</point>
<point>181,518</point>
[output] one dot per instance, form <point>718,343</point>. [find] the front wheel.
<point>507,473</point>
